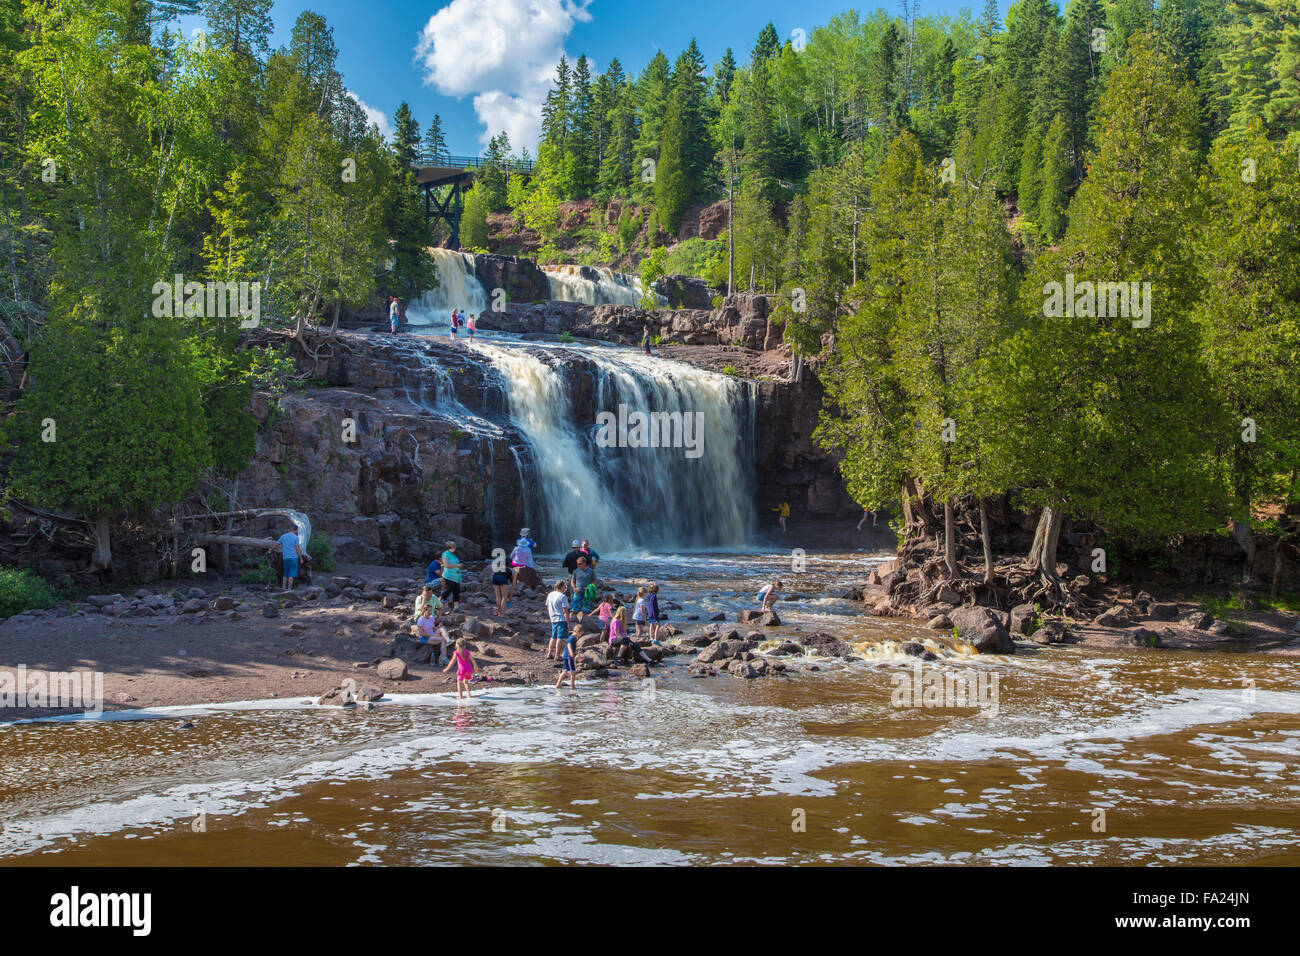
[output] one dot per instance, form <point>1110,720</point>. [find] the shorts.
<point>450,588</point>
<point>559,631</point>
<point>500,578</point>
<point>566,663</point>
<point>291,567</point>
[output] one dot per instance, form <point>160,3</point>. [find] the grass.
<point>566,336</point>
<point>1219,607</point>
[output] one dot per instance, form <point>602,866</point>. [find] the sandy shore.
<point>309,647</point>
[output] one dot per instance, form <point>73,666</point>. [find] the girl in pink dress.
<point>464,668</point>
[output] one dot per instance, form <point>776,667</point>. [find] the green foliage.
<point>321,551</point>
<point>22,590</point>
<point>729,369</point>
<point>566,336</point>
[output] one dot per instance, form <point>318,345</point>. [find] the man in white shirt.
<point>557,609</point>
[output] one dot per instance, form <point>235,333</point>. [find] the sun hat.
<point>525,531</point>
<point>575,543</point>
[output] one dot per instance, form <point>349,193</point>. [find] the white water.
<point>458,288</point>
<point>624,498</point>
<point>574,283</point>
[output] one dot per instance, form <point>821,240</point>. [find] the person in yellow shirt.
<point>783,511</point>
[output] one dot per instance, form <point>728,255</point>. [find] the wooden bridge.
<point>436,170</point>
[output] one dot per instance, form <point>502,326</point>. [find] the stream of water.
<point>1191,757</point>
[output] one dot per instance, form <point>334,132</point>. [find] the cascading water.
<point>695,495</point>
<point>627,495</point>
<point>595,286</point>
<point>458,288</point>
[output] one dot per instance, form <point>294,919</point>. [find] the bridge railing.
<point>449,161</point>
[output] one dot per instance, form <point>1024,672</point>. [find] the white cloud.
<point>377,117</point>
<point>503,52</point>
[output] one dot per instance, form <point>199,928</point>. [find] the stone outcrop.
<point>521,278</point>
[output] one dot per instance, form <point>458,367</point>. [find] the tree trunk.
<point>986,542</point>
<point>103,555</point>
<point>949,539</point>
<point>223,559</point>
<point>1042,554</point>
<point>1245,538</point>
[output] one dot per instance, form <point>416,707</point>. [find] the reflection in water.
<point>1191,762</point>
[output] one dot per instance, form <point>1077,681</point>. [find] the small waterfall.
<point>630,497</point>
<point>595,286</point>
<point>458,288</point>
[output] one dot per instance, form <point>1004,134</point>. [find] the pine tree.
<point>583,128</point>
<point>1055,181</point>
<point>241,26</point>
<point>724,75</point>
<point>435,140</point>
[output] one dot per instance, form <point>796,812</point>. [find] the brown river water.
<point>1118,757</point>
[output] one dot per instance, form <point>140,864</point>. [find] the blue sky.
<point>482,64</point>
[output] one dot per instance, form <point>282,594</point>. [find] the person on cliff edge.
<point>783,511</point>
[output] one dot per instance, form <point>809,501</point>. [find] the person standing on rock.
<point>590,552</point>
<point>557,611</point>
<point>291,550</point>
<point>645,339</point>
<point>583,582</point>
<point>652,611</point>
<point>570,561</point>
<point>455,321</point>
<point>473,325</point>
<point>783,511</point>
<point>501,588</point>
<point>394,315</point>
<point>522,557</point>
<point>865,515</point>
<point>451,576</point>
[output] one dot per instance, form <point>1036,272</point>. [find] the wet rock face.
<point>400,481</point>
<point>522,279</point>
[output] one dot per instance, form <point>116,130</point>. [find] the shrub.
<point>321,551</point>
<point>566,336</point>
<point>729,370</point>
<point>21,590</point>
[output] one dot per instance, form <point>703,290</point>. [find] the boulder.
<point>982,628</point>
<point>1052,632</point>
<point>946,595</point>
<point>913,649</point>
<point>1198,620</point>
<point>1163,612</point>
<point>223,604</point>
<point>762,618</point>
<point>104,600</point>
<point>392,669</point>
<point>1142,637</point>
<point>1116,616</point>
<point>720,616</point>
<point>192,606</point>
<point>1022,619</point>
<point>940,622</point>
<point>700,670</point>
<point>826,645</point>
<point>269,609</point>
<point>369,694</point>
<point>743,669</point>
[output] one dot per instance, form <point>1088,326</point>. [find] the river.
<point>1191,756</point>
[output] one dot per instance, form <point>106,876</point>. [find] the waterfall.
<point>458,288</point>
<point>623,498</point>
<point>595,286</point>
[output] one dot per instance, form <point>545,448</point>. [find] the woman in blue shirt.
<point>450,576</point>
